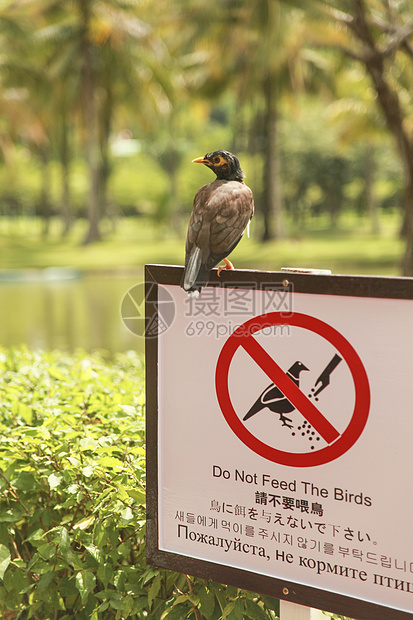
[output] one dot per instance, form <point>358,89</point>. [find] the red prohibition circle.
<point>361,385</point>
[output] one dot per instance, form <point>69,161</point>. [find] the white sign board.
<point>284,437</point>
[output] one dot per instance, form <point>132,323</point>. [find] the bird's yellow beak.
<point>200,160</point>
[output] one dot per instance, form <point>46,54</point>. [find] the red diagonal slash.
<point>290,390</point>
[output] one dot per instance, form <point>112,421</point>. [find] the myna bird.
<point>221,212</point>
<point>274,399</point>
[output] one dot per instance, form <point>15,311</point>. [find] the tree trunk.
<point>390,105</point>
<point>66,213</point>
<point>407,260</point>
<point>370,195</point>
<point>272,193</point>
<point>45,192</point>
<point>105,164</point>
<point>92,136</point>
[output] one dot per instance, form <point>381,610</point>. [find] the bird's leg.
<point>228,265</point>
<point>285,421</point>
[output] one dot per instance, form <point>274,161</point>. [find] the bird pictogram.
<point>273,399</point>
<point>221,213</point>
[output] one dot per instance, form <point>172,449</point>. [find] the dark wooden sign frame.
<point>356,286</point>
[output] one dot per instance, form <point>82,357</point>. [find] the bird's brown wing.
<point>196,250</point>
<point>231,218</point>
<point>196,219</point>
<point>221,212</point>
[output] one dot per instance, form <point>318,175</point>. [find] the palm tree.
<point>380,37</point>
<point>31,100</point>
<point>255,47</point>
<point>93,52</point>
<point>360,122</point>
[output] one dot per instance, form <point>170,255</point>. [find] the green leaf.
<point>4,560</point>
<point>85,523</point>
<point>154,589</point>
<point>25,481</point>
<point>119,580</point>
<point>88,471</point>
<point>25,412</point>
<point>36,535</point>
<point>54,480</point>
<point>9,516</point>
<point>64,540</point>
<point>56,374</point>
<point>45,581</point>
<point>104,573</point>
<point>138,496</point>
<point>206,602</point>
<point>228,609</point>
<point>239,609</point>
<point>149,574</point>
<point>128,409</point>
<point>126,515</point>
<point>109,595</point>
<point>88,443</point>
<point>122,495</point>
<point>95,552</point>
<point>16,580</point>
<point>85,583</point>
<point>175,613</point>
<point>254,611</point>
<point>271,603</point>
<point>110,462</point>
<point>47,551</point>
<point>217,589</point>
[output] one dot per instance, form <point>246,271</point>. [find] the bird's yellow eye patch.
<point>219,161</point>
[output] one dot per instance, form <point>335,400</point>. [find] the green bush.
<point>72,499</point>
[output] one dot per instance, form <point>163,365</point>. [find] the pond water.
<point>67,314</point>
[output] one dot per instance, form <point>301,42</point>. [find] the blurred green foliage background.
<point>104,103</point>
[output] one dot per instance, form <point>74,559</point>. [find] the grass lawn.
<point>351,248</point>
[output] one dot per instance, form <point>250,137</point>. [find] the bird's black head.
<point>297,368</point>
<point>225,165</point>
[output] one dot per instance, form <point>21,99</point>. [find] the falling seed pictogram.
<point>324,378</point>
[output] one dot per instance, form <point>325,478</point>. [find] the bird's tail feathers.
<point>193,294</point>
<point>192,268</point>
<point>257,406</point>
<point>196,274</point>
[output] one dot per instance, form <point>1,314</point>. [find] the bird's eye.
<point>217,160</point>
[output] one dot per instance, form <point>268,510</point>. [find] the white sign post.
<point>280,430</point>
<point>291,611</point>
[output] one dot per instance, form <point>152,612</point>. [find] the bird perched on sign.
<point>221,213</point>
<point>274,399</point>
